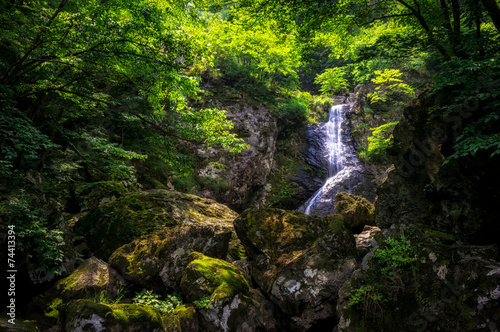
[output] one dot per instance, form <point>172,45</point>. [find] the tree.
<point>332,81</point>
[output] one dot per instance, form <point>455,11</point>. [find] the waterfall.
<point>335,157</point>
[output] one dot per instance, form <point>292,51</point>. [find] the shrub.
<point>154,301</point>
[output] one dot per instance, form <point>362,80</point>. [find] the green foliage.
<point>378,143</point>
<point>42,244</point>
<point>332,81</point>
<point>390,87</point>
<point>480,135</point>
<point>476,83</point>
<point>204,303</point>
<point>396,255</point>
<point>366,295</point>
<point>154,301</point>
<point>294,110</point>
<point>20,140</point>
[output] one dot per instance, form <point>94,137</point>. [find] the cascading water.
<point>335,150</point>
<point>345,172</point>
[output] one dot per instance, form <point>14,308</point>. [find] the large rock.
<point>92,279</point>
<point>422,280</point>
<point>157,261</point>
<point>183,319</point>
<point>234,306</point>
<point>86,315</point>
<point>356,210</point>
<point>119,222</point>
<point>299,261</point>
<point>460,196</point>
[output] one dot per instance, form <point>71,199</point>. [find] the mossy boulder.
<point>234,305</point>
<point>183,319</point>
<point>92,279</point>
<point>96,193</point>
<point>356,210</point>
<point>218,279</point>
<point>86,315</point>
<point>417,280</point>
<point>157,261</point>
<point>111,225</point>
<point>299,261</point>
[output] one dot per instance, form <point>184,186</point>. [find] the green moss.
<point>118,315</point>
<point>68,284</point>
<point>136,313</point>
<point>183,316</point>
<point>224,279</point>
<point>445,238</point>
<point>116,223</point>
<point>237,250</point>
<point>53,308</point>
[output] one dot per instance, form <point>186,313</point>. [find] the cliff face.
<point>459,196</point>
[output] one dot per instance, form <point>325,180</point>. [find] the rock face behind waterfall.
<point>353,177</point>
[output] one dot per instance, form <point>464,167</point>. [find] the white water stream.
<point>335,152</point>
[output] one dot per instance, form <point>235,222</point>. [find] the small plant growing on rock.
<point>204,303</point>
<point>396,255</point>
<point>154,301</point>
<point>370,297</point>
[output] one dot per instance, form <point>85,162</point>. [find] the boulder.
<point>356,210</point>
<point>157,261</point>
<point>93,279</point>
<point>86,315</point>
<point>365,240</point>
<point>421,279</point>
<point>299,262</point>
<point>233,305</point>
<point>183,319</point>
<point>111,225</point>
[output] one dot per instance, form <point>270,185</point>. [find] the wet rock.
<point>356,210</point>
<point>234,306</point>
<point>158,261</point>
<point>86,315</point>
<point>116,223</point>
<point>299,261</point>
<point>314,153</point>
<point>426,281</point>
<point>352,179</point>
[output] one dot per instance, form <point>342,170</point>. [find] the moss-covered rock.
<point>86,315</point>
<point>418,280</point>
<point>93,279</point>
<point>215,278</point>
<point>299,261</point>
<point>94,194</point>
<point>234,306</point>
<point>157,261</point>
<point>116,223</point>
<point>356,210</point>
<point>183,319</point>
<point>19,326</point>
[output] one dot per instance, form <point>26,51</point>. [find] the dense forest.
<point>154,155</point>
